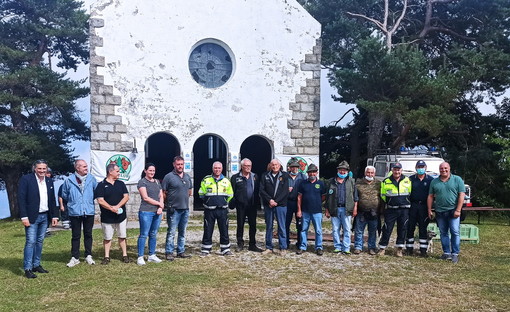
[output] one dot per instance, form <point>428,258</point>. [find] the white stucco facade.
<point>141,83</point>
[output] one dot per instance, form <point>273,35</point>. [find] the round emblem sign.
<point>303,165</point>
<point>124,163</point>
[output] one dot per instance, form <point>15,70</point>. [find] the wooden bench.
<point>479,210</point>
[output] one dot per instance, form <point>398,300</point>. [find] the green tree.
<point>410,64</point>
<point>38,116</point>
<point>480,153</point>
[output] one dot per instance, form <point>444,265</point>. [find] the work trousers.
<point>210,217</point>
<point>392,215</point>
<point>418,214</point>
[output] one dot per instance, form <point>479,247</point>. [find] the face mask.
<point>342,176</point>
<point>369,178</point>
<point>420,170</point>
<point>293,173</point>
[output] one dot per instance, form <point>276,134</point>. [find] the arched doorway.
<point>206,150</point>
<point>160,149</point>
<point>258,149</point>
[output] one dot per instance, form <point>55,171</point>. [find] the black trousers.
<point>243,212</point>
<point>392,215</point>
<point>76,225</point>
<point>210,217</point>
<point>292,212</point>
<point>418,214</point>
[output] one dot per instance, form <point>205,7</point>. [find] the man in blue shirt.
<point>420,183</point>
<point>311,194</point>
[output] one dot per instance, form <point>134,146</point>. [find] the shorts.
<point>110,228</point>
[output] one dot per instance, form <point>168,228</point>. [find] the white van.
<point>384,162</point>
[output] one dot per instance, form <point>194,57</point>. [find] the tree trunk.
<point>400,139</point>
<point>11,186</point>
<point>355,149</point>
<point>376,122</point>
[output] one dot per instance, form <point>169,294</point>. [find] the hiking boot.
<point>204,254</point>
<point>372,252</point>
<point>446,256</point>
<point>169,257</point>
<point>357,251</point>
<point>381,252</point>
<point>300,252</point>
<point>283,252</point>
<point>254,248</point>
<point>319,252</point>
<point>126,259</point>
<point>239,247</point>
<point>337,251</point>
<point>228,253</point>
<point>73,262</point>
<point>89,260</point>
<point>153,258</point>
<point>423,253</point>
<point>346,253</point>
<point>140,261</point>
<point>409,252</point>
<point>106,260</point>
<point>455,258</point>
<point>399,252</point>
<point>183,255</point>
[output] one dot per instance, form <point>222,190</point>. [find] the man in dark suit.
<point>36,200</point>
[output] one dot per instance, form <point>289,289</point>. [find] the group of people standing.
<point>284,196</point>
<point>37,204</point>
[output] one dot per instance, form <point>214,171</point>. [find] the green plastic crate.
<point>468,233</point>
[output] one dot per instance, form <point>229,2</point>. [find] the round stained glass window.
<point>210,65</point>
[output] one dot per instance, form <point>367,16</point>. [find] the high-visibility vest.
<point>216,194</point>
<point>396,196</point>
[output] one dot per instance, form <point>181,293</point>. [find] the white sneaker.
<point>89,260</point>
<point>73,262</point>
<point>140,261</point>
<point>154,258</point>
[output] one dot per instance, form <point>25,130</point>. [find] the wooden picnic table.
<point>479,210</point>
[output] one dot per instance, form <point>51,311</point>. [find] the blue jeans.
<point>446,222</point>
<point>281,215</point>
<point>316,219</point>
<point>342,220</point>
<point>34,238</point>
<point>361,223</point>
<point>179,222</point>
<point>149,225</point>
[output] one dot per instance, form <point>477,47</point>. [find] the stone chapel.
<point>207,80</point>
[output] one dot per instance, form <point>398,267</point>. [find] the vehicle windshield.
<point>408,167</point>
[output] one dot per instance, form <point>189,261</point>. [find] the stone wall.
<point>105,125</point>
<point>305,122</point>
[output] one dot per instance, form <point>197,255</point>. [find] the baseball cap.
<point>421,163</point>
<point>397,165</point>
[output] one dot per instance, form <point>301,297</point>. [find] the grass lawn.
<point>253,282</point>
